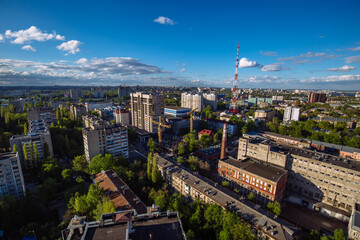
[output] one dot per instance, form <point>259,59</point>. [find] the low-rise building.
<point>11,176</point>
<point>231,128</point>
<point>266,181</point>
<point>176,111</point>
<point>124,225</point>
<point>119,192</point>
<point>265,114</point>
<point>354,223</point>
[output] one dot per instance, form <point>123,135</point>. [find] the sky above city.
<point>283,44</point>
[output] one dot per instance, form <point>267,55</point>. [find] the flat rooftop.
<point>177,108</point>
<point>107,232</point>
<point>7,155</point>
<point>260,169</point>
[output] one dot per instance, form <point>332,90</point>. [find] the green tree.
<point>213,215</point>
<point>151,145</point>
<point>25,128</point>
<point>15,149</point>
<point>155,173</point>
<point>193,161</point>
<point>36,152</point>
<point>216,138</point>
<point>46,150</point>
<point>105,207</point>
<point>25,151</point>
<point>66,174</point>
<point>251,197</point>
<point>181,148</point>
<point>32,157</point>
<point>149,165</point>
<point>80,164</point>
<point>100,162</point>
<point>225,184</point>
<point>205,141</point>
<point>67,144</point>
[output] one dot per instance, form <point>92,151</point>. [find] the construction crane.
<point>191,113</point>
<point>160,125</point>
<point>233,108</point>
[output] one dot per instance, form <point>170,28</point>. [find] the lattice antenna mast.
<point>235,95</point>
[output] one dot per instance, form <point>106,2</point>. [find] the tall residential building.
<point>11,176</point>
<point>291,114</point>
<point>210,99</point>
<point>78,110</point>
<point>192,100</point>
<point>316,97</point>
<point>354,223</point>
<point>145,107</point>
<point>122,117</point>
<point>123,91</point>
<point>46,114</point>
<point>76,93</point>
<point>102,137</point>
<point>38,140</point>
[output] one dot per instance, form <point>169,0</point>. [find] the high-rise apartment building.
<point>11,176</point>
<point>145,107</point>
<point>76,93</point>
<point>122,117</point>
<point>316,97</point>
<point>291,114</point>
<point>123,91</point>
<point>35,146</point>
<point>192,100</point>
<point>78,110</point>
<point>102,137</point>
<point>210,99</point>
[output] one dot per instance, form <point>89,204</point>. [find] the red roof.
<point>205,131</point>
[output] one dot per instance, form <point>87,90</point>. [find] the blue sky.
<point>283,44</point>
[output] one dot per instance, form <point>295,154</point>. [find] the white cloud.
<point>268,53</point>
<point>28,48</point>
<point>353,59</point>
<point>71,46</point>
<point>82,61</point>
<point>245,62</point>
<point>272,67</point>
<point>1,37</point>
<point>182,70</point>
<point>312,54</point>
<point>354,48</point>
<point>164,20</point>
<point>345,68</point>
<point>303,58</point>
<point>31,34</point>
<point>262,79</point>
<point>332,79</point>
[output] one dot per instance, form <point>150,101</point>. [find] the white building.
<point>11,176</point>
<point>102,137</point>
<point>122,117</point>
<point>192,101</point>
<point>210,99</point>
<point>145,107</point>
<point>291,114</point>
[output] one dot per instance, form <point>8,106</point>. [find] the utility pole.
<point>160,125</point>
<point>191,113</point>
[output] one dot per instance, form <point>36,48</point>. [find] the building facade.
<point>192,101</point>
<point>145,107</point>
<point>331,181</point>
<point>45,114</point>
<point>354,223</point>
<point>291,114</point>
<point>102,137</point>
<point>265,181</point>
<point>176,111</point>
<point>76,93</point>
<point>78,110</point>
<point>265,114</point>
<point>316,97</point>
<point>122,117</point>
<point>123,91</point>
<point>11,176</point>
<point>210,99</point>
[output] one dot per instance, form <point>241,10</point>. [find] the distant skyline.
<point>283,44</point>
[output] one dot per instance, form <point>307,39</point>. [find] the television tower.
<point>233,108</point>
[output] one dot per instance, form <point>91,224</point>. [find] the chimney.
<point>223,143</point>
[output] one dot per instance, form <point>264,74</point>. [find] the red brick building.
<point>265,181</point>
<point>205,131</point>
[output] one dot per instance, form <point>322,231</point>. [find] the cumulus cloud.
<point>245,62</point>
<point>354,48</point>
<point>345,68</point>
<point>262,79</point>
<point>1,37</point>
<point>164,20</point>
<point>268,53</point>
<point>82,61</point>
<point>31,34</point>
<point>182,70</point>
<point>28,48</point>
<point>332,79</point>
<point>352,59</point>
<point>71,46</point>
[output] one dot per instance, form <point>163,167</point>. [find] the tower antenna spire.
<point>233,108</point>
